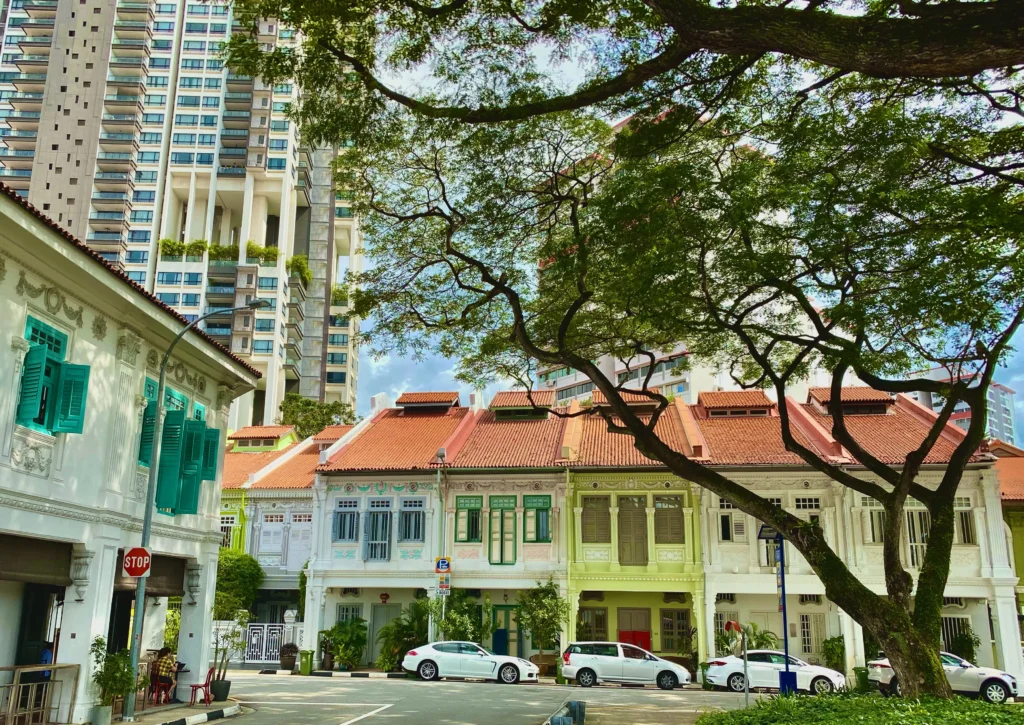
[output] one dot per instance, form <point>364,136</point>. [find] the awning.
<point>35,561</point>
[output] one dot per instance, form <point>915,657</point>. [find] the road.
<point>345,701</point>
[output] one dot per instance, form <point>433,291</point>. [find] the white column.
<point>191,212</point>
<point>225,226</point>
<point>246,228</point>
<point>211,201</point>
<point>613,512</point>
<point>995,531</point>
<point>710,595</point>
<point>853,641</point>
<point>313,622</point>
<point>165,217</point>
<point>153,625</point>
<point>1004,617</point>
<point>577,517</point>
<point>241,411</point>
<point>652,554</point>
<point>272,396</point>
<point>196,634</point>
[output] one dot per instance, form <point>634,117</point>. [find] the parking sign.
<point>442,565</point>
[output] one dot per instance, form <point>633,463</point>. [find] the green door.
<point>632,530</point>
<point>505,640</point>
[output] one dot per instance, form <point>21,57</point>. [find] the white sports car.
<point>467,660</point>
<point>990,684</point>
<point>763,668</point>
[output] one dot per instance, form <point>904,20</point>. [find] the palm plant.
<point>349,640</point>
<point>405,632</point>
<point>758,638</point>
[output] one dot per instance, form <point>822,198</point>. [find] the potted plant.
<point>289,651</point>
<point>349,638</point>
<point>112,673</point>
<point>229,639</point>
<point>326,649</point>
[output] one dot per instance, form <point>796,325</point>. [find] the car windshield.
<point>490,652</point>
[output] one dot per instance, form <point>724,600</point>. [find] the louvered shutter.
<point>404,521</point>
<point>169,474</point>
<point>589,524</point>
<point>366,535</point>
<point>336,526</point>
<point>32,373</point>
<point>461,525</point>
<point>508,553</point>
<point>668,526</point>
<point>530,525</point>
<point>495,547</point>
<point>739,526</point>
<point>211,449</point>
<point>604,526</point>
<point>194,436</point>
<point>72,391</point>
<point>386,522</point>
<point>146,436</point>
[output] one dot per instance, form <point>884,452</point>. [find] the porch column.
<point>195,638</point>
<point>245,231</point>
<point>652,554</point>
<point>313,621</point>
<point>698,617</point>
<point>689,539</point>
<point>1004,617</point>
<point>577,551</point>
<point>574,612</point>
<point>710,596</point>
<point>853,644</point>
<point>613,512</point>
<point>556,540</point>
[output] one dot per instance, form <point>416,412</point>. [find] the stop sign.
<point>137,561</point>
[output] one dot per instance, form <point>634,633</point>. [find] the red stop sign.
<point>137,561</point>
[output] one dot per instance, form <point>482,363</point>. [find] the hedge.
<point>867,710</point>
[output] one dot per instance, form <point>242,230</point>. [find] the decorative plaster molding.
<point>129,345</point>
<point>32,452</point>
<point>80,560</point>
<point>3,269</point>
<point>152,360</point>
<point>53,299</point>
<point>596,555</point>
<point>670,555</point>
<point>139,483</point>
<point>503,484</point>
<point>411,554</point>
<point>381,487</point>
<point>633,484</point>
<point>345,554</point>
<point>99,327</point>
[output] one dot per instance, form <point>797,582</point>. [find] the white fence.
<point>263,641</point>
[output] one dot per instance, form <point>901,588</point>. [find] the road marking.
<point>303,702</point>
<point>372,712</point>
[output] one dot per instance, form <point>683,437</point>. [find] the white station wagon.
<point>592,662</point>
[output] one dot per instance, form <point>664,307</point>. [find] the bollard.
<point>561,720</point>
<point>577,711</point>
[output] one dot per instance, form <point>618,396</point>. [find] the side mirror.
<point>965,664</point>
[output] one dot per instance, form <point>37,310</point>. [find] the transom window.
<point>807,503</point>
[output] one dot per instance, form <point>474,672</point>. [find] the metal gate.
<point>264,642</point>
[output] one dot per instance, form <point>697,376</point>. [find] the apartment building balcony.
<point>129,65</point>
<point>291,368</point>
<point>295,309</point>
<point>28,62</point>
<point>118,141</point>
<point>234,138</point>
<point>38,26</point>
<point>17,158</point>
<point>114,201</point>
<point>126,85</point>
<point>25,101</point>
<point>112,180</point>
<point>220,333</point>
<point>237,100</point>
<point>218,311</point>
<point>108,221</point>
<point>16,178</point>
<point>21,119</point>
<point>40,8</point>
<point>293,348</point>
<point>238,82</point>
<point>35,43</point>
<point>220,292</point>
<point>132,29</point>
<point>237,171</point>
<point>19,139</point>
<point>293,326</point>
<point>123,47</point>
<point>134,11</point>
<point>115,160</point>
<point>32,82</point>
<point>121,102</point>
<point>236,119</point>
<point>117,122</point>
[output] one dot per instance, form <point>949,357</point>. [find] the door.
<point>607,662</point>
<point>760,670</point>
<point>632,531</point>
<point>961,678</point>
<point>446,657</point>
<point>635,627</point>
<point>40,621</point>
<point>475,662</point>
<point>380,614</point>
<point>636,666</point>
<point>506,631</point>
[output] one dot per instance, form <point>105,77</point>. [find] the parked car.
<point>467,660</point>
<point>592,662</point>
<point>763,668</point>
<point>990,684</point>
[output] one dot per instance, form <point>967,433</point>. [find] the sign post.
<point>735,627</point>
<point>787,678</point>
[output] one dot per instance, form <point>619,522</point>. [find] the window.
<point>168,298</point>
<point>732,524</point>
<point>277,164</point>
<point>204,159</point>
<point>279,125</point>
<point>536,519</point>
<point>467,517</point>
<point>281,106</point>
<point>211,101</point>
<point>347,612</point>
<point>212,84</point>
<point>144,196</point>
<point>182,158</point>
<point>267,283</point>
<point>193,279</point>
<point>807,503</point>
<point>283,88</point>
<point>218,29</point>
<point>668,520</point>
<point>336,378</point>
<point>190,300</point>
<point>566,393</point>
<point>195,27</point>
<point>263,346</point>
<point>278,144</point>
<point>675,630</point>
<point>195,45</point>
<point>153,118</point>
<point>337,339</point>
<point>411,520</point>
<point>139,236</point>
<point>168,277</point>
<point>337,358</point>
<point>157,81</point>
<point>143,217</point>
<point>874,521</point>
<point>184,119</point>
<point>632,653</point>
<point>212,64</point>
<point>160,63</point>
<point>338,321</point>
<point>137,277</point>
<point>502,548</point>
<point>272,533</point>
<point>810,599</point>
<point>133,257</point>
<point>592,623</point>
<point>264,325</point>
<point>188,101</point>
<point>227,527</point>
<point>964,533</point>
<point>165,8</point>
<point>377,537</point>
<point>209,121</point>
<point>150,137</point>
<point>53,392</point>
<point>346,521</point>
<point>596,520</point>
<point>812,632</point>
<point>162,27</point>
<point>271,303</point>
<point>189,82</point>
<point>207,139</point>
<point>721,617</point>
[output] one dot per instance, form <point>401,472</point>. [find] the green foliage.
<point>866,710</point>
<point>339,295</point>
<point>171,248</point>
<point>230,637</point>
<point>834,651</point>
<point>238,579</point>
<point>196,248</point>
<point>405,632</point>
<point>302,591</point>
<point>542,612</point>
<point>758,638</point>
<point>725,642</point>
<point>348,640</point>
<point>965,644</point>
<point>172,626</point>
<point>111,671</point>
<point>299,266</point>
<point>289,649</point>
<point>253,250</point>
<point>464,617</point>
<point>311,416</point>
<point>223,252</point>
<point>269,255</point>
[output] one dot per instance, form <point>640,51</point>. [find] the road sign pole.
<point>785,685</point>
<point>746,680</point>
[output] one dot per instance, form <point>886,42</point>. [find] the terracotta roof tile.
<point>428,398</point>
<point>261,431</point>
<point>512,443</point>
<point>735,399</point>
<point>137,288</point>
<point>854,394</point>
<point>399,440</point>
<point>295,473</point>
<point>600,448</point>
<point>238,466</point>
<point>1010,470</point>
<point>891,436</point>
<point>599,398</point>
<point>332,432</point>
<point>749,440</point>
<point>521,399</point>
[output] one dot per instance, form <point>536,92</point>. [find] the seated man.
<point>165,671</point>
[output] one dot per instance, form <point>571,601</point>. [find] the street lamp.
<point>147,519</point>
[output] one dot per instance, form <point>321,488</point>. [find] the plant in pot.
<point>349,638</point>
<point>289,651</point>
<point>112,674</point>
<point>327,649</point>
<point>229,639</point>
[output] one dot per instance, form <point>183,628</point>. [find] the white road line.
<point>303,702</point>
<point>372,712</point>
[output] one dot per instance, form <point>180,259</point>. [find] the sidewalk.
<point>655,714</point>
<point>182,715</point>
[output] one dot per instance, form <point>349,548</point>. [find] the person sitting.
<point>165,672</point>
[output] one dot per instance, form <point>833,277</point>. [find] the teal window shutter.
<point>211,449</point>
<point>31,385</point>
<point>171,444</point>
<point>148,429</point>
<point>72,391</point>
<point>191,465</point>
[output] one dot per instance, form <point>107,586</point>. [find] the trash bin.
<point>705,685</point>
<point>861,673</point>
<point>306,662</point>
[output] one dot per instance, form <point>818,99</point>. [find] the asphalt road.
<point>345,701</point>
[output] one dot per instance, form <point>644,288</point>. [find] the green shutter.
<point>72,391</point>
<point>191,466</point>
<point>171,445</point>
<point>146,437</point>
<point>211,449</point>
<point>31,385</point>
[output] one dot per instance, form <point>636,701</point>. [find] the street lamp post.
<point>147,518</point>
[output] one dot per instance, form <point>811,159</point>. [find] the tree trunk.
<point>914,659</point>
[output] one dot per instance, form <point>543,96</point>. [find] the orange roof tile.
<point>297,472</point>
<point>332,432</point>
<point>854,394</point>
<point>735,399</point>
<point>600,448</point>
<point>428,399</point>
<point>521,399</point>
<point>261,431</point>
<point>238,466</point>
<point>1010,470</point>
<point>891,436</point>
<point>398,440</point>
<point>749,440</point>
<point>512,443</point>
<point>599,398</point>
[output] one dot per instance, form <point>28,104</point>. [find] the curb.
<point>328,673</point>
<point>206,716</point>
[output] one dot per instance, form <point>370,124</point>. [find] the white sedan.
<point>990,684</point>
<point>763,668</point>
<point>467,660</point>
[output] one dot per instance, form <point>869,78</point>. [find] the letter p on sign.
<point>137,562</point>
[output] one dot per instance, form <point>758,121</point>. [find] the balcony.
<point>120,120</point>
<point>117,101</point>
<point>236,119</point>
<point>135,66</point>
<point>234,137</point>
<point>123,47</point>
<point>239,82</point>
<point>108,220</point>
<point>38,26</point>
<point>218,330</point>
<point>35,43</point>
<point>40,8</point>
<point>15,173</point>
<point>113,161</point>
<point>238,171</point>
<point>33,82</point>
<point>25,101</point>
<point>291,368</point>
<point>237,100</point>
<point>112,201</point>
<point>134,11</point>
<point>18,139</point>
<point>217,310</point>
<point>132,29</point>
<point>105,237</point>
<point>125,85</point>
<point>27,63</point>
<point>220,291</point>
<point>111,180</point>
<point>117,140</point>
<point>295,309</point>
<point>21,119</point>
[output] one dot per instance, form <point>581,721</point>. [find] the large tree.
<point>867,228</point>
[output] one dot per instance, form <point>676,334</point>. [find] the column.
<point>168,198</point>
<point>191,213</point>
<point>577,539</point>
<point>225,226</point>
<point>690,552</point>
<point>241,410</point>
<point>853,642</point>
<point>313,621</point>
<point>1004,617</point>
<point>995,528</point>
<point>211,199</point>
<point>195,638</point>
<point>710,596</point>
<point>246,228</point>
<point>613,512</point>
<point>556,540</point>
<point>574,611</point>
<point>271,398</point>
<point>485,532</point>
<point>698,617</point>
<point>153,625</point>
<point>652,554</point>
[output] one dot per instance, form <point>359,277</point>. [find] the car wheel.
<point>667,681</point>
<point>509,674</point>
<point>894,688</point>
<point>586,678</point>
<point>995,692</point>
<point>735,682</point>
<point>821,686</point>
<point>427,670</point>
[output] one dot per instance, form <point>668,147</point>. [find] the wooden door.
<point>632,531</point>
<point>634,627</point>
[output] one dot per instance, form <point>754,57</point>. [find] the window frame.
<point>343,509</point>
<point>411,511</point>
<point>469,504</point>
<point>662,536</point>
<point>540,507</point>
<point>498,509</point>
<point>598,511</point>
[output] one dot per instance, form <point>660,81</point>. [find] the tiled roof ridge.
<point>335,449</point>
<point>428,397</point>
<point>269,431</point>
<point>296,450</point>
<point>716,399</point>
<point>953,433</point>
<point>89,252</point>
<point>849,394</point>
<point>454,443</point>
<point>801,419</point>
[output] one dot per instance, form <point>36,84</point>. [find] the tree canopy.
<point>311,416</point>
<point>238,580</point>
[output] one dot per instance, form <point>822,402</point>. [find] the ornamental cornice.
<point>658,483</point>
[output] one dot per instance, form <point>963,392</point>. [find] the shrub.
<point>172,626</point>
<point>403,634</point>
<point>269,254</point>
<point>289,649</point>
<point>349,641</point>
<point>866,710</point>
<point>111,671</point>
<point>542,612</point>
<point>299,266</point>
<point>224,252</point>
<point>196,248</point>
<point>238,578</point>
<point>965,644</point>
<point>339,295</point>
<point>171,248</point>
<point>834,651</point>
